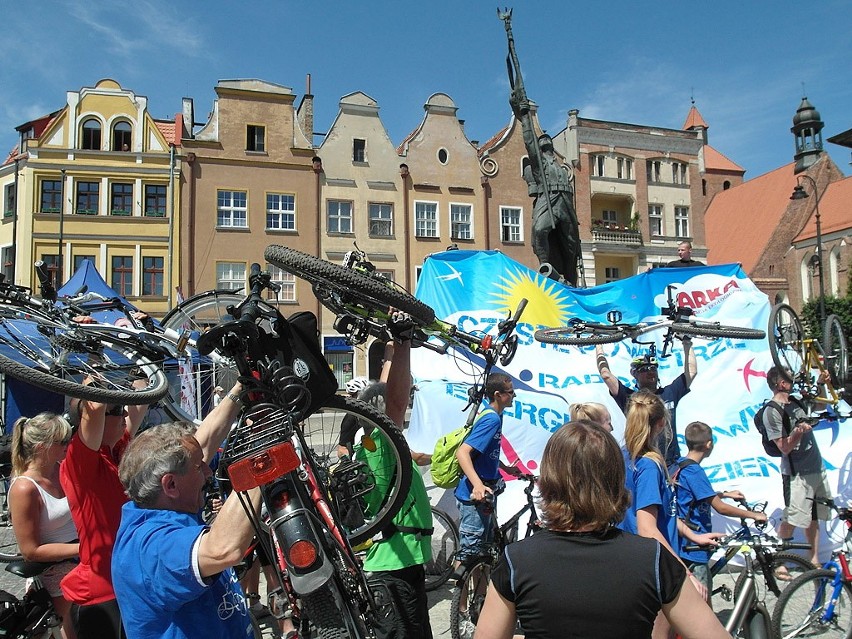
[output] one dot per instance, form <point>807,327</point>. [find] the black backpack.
<point>769,445</point>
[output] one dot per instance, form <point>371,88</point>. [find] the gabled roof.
<point>168,130</point>
<point>835,211</point>
<point>694,119</point>
<point>497,137</point>
<point>739,222</point>
<point>715,161</point>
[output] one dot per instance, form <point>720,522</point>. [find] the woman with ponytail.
<point>38,506</point>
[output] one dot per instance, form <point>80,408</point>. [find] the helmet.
<point>356,385</point>
<point>643,363</point>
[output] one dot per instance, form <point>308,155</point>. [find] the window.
<point>152,276</point>
<point>51,196</point>
<point>655,218</point>
<point>232,211</point>
<point>78,261</point>
<point>359,150</point>
<point>256,138</point>
<point>121,199</point>
<point>91,135</point>
<point>654,170</point>
<point>7,256</point>
<point>611,274</point>
<point>510,224</point>
<point>461,224</point>
<point>609,216</point>
<point>287,282</point>
<point>339,216</point>
<point>231,276</point>
<point>281,211</point>
<point>88,195</point>
<point>681,221</point>
<point>9,200</point>
<point>52,264</point>
<point>381,219</point>
<point>121,133</point>
<point>426,219</point>
<point>624,167</point>
<point>122,275</point>
<point>155,200</point>
<point>443,156</point>
<point>679,172</point>
<point>599,165</point>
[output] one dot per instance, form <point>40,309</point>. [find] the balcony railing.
<point>629,237</point>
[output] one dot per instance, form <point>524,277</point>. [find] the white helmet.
<point>356,385</point>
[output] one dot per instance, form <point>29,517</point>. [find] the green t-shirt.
<point>402,549</point>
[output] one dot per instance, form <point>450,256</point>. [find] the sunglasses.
<point>116,410</point>
<point>509,392</point>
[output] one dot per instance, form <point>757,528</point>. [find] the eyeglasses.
<point>116,410</point>
<point>508,392</point>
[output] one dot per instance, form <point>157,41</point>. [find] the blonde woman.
<point>653,506</point>
<point>39,509</point>
<point>592,412</point>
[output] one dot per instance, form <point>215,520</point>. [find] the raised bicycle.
<point>679,321</point>
<point>820,370</point>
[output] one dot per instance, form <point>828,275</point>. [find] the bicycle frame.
<point>748,610</point>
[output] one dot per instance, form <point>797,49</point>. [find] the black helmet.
<point>646,362</point>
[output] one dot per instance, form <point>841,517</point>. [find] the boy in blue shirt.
<point>695,498</point>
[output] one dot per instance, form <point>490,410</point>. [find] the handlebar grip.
<point>789,545</point>
<point>520,310</point>
<point>41,272</point>
<point>695,547</point>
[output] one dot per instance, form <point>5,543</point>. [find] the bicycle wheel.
<point>342,289</point>
<point>445,544</point>
<point>712,329</point>
<point>192,381</point>
<point>801,609</point>
<point>468,599</point>
<point>582,334</point>
<point>834,347</point>
<point>368,490</point>
<point>794,565</point>
<point>9,545</point>
<point>787,339</point>
<point>58,356</point>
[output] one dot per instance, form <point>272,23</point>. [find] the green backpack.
<point>445,469</point>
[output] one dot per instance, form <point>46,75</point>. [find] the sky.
<point>745,63</point>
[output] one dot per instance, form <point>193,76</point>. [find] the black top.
<point>587,584</point>
<point>689,262</point>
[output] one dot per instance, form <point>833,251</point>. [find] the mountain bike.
<point>469,596</point>
<point>445,545</point>
<point>32,616</point>
<point>819,602</point>
<point>318,506</point>
<point>678,321</point>
<point>819,371</point>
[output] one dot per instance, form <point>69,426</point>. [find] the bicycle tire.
<point>197,314</point>
<point>445,545</point>
<point>712,329</point>
<point>471,587</point>
<point>390,478</point>
<point>787,339</point>
<point>338,287</point>
<point>59,357</point>
<point>836,352</point>
<point>795,565</point>
<point>802,603</point>
<point>587,335</point>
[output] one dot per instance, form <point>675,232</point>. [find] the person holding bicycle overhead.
<point>644,370</point>
<point>479,459</point>
<point>802,470</point>
<point>582,576</point>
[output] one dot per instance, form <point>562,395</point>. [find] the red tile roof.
<point>738,223</point>
<point>694,119</point>
<point>715,161</point>
<point>167,128</point>
<point>835,210</point>
<point>494,139</point>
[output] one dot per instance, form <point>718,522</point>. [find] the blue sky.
<point>744,62</point>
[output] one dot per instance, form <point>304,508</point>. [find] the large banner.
<point>476,289</point>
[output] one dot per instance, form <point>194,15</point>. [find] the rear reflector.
<point>264,467</point>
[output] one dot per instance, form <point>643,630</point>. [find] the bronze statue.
<point>555,232</point>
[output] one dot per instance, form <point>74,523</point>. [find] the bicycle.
<point>819,602</point>
<point>469,596</point>
<point>791,349</point>
<point>678,322</point>
<point>445,545</point>
<point>32,616</point>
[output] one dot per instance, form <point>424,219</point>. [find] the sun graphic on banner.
<point>548,305</point>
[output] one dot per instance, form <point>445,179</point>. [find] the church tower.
<point>807,129</point>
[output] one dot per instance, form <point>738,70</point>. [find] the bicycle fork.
<point>749,613</point>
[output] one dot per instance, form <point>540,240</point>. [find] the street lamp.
<point>799,193</point>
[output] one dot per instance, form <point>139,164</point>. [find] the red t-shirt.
<point>95,496</point>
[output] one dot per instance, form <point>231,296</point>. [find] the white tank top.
<point>57,527</point>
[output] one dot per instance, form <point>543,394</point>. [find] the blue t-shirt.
<point>159,589</point>
<point>484,438</point>
<point>694,494</point>
<point>648,486</point>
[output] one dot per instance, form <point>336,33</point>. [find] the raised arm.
<point>690,365</point>
<point>606,374</point>
<point>214,429</point>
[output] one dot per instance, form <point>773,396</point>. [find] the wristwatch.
<point>235,399</point>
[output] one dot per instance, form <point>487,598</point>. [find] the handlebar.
<point>764,540</point>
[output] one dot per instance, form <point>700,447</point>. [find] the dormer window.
<point>91,135</point>
<point>121,134</point>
